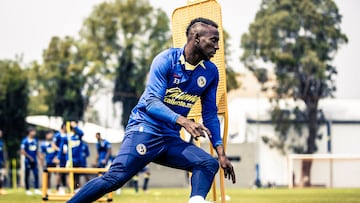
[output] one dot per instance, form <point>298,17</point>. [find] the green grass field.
<point>237,196</point>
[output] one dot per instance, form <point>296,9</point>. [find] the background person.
<point>2,164</point>
<point>49,153</point>
<point>75,138</point>
<point>85,154</point>
<point>146,172</point>
<point>29,148</point>
<point>61,155</point>
<point>103,148</point>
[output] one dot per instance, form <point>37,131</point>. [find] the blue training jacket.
<point>171,91</point>
<point>31,147</point>
<point>102,148</point>
<point>48,150</point>
<point>76,149</point>
<point>85,154</point>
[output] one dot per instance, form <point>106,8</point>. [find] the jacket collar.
<point>187,65</point>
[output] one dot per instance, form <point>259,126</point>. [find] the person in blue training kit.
<point>135,179</point>
<point>85,152</point>
<point>49,153</point>
<point>2,164</point>
<point>76,135</point>
<point>178,78</point>
<point>103,148</point>
<point>61,177</point>
<point>29,148</point>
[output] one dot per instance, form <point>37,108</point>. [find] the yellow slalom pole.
<point>213,186</point>
<point>14,181</point>
<point>70,157</point>
<point>222,177</point>
<point>45,178</point>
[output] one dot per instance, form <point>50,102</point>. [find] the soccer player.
<point>178,78</point>
<point>2,164</point>
<point>85,154</point>
<point>29,148</point>
<point>61,178</point>
<point>146,172</point>
<point>49,153</point>
<point>103,148</point>
<point>76,149</point>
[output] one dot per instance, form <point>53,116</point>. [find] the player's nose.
<point>216,46</point>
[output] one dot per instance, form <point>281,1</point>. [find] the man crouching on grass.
<point>178,77</point>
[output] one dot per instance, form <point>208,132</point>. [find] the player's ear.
<point>197,38</point>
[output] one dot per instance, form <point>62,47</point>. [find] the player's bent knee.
<point>212,165</point>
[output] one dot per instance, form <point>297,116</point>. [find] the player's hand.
<point>196,130</point>
<point>225,164</point>
<point>73,124</point>
<point>56,160</point>
<point>228,168</point>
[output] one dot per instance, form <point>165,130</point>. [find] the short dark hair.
<point>30,129</point>
<point>49,132</point>
<point>200,20</point>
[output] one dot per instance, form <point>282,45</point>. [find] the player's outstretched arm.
<point>76,128</point>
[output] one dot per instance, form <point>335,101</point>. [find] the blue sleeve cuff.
<point>214,126</point>
<point>216,141</point>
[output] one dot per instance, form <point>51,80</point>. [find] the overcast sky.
<point>26,28</point>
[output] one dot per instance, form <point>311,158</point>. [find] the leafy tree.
<point>122,37</point>
<point>37,92</point>
<point>61,79</point>
<point>13,104</point>
<point>231,82</point>
<point>64,83</point>
<point>298,40</point>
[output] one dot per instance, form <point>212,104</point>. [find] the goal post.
<point>327,170</point>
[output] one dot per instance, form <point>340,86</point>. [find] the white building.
<point>249,120</point>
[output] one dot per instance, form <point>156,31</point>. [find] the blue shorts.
<point>63,161</point>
